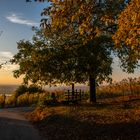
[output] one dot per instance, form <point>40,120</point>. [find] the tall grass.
<point>31,99</point>
<point>125,87</point>
<point>129,86</point>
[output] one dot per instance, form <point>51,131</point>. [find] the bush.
<point>24,89</point>
<point>21,90</point>
<point>23,100</point>
<point>34,89</point>
<point>2,101</point>
<point>33,98</point>
<point>29,99</point>
<point>11,101</point>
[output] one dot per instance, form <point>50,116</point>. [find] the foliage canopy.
<point>73,45</point>
<point>129,26</point>
<point>127,37</point>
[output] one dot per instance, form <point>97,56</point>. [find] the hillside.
<point>115,119</point>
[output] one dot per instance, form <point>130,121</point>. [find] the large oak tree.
<point>76,47</point>
<point>43,63</point>
<point>84,24</point>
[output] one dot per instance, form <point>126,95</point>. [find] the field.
<point>110,119</point>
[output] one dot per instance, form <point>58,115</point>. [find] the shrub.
<point>31,89</point>
<point>23,100</point>
<point>34,89</point>
<point>21,90</point>
<point>11,101</point>
<point>33,98</point>
<point>2,100</point>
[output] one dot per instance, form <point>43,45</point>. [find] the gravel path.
<point>14,126</point>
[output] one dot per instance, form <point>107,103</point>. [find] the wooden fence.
<point>73,96</point>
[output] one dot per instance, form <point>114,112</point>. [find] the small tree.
<point>30,89</point>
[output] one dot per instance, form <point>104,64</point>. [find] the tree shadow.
<point>59,127</point>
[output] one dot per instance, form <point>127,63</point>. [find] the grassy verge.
<point>107,120</point>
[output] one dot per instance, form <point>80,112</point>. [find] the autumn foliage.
<point>129,26</point>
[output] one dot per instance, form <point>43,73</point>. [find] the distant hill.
<point>8,89</point>
<point>63,87</point>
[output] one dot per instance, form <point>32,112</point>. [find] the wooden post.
<point>76,94</point>
<point>72,91</point>
<point>130,83</point>
<point>4,98</point>
<point>68,95</point>
<point>80,95</point>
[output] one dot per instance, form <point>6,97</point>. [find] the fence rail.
<point>73,96</point>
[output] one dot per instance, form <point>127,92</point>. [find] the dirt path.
<point>14,126</point>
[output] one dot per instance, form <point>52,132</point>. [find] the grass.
<point>117,119</point>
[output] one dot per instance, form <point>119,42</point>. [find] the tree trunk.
<point>92,82</point>
<point>73,91</point>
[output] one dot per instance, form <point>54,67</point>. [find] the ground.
<point>109,120</point>
<point>14,126</point>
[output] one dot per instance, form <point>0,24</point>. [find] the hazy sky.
<point>16,19</point>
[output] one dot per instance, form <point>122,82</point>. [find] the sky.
<point>16,20</point>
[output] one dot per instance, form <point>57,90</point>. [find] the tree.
<point>31,58</point>
<point>127,37</point>
<point>129,26</point>
<point>78,44</point>
<point>84,24</point>
<point>3,64</point>
<point>44,64</point>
